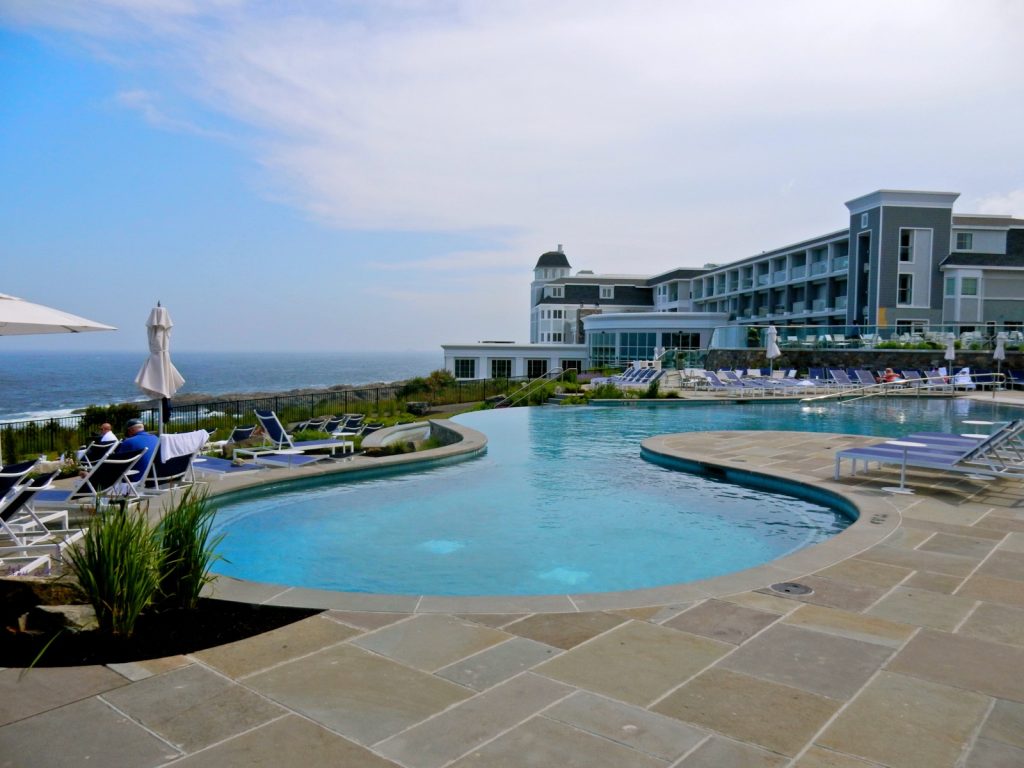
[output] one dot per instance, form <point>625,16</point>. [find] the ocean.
<point>35,385</point>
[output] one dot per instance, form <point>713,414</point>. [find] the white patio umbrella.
<point>950,348</point>
<point>771,344</point>
<point>23,318</point>
<point>999,353</point>
<point>158,376</point>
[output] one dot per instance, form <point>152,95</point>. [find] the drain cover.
<point>791,588</point>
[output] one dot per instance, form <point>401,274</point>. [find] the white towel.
<point>182,444</point>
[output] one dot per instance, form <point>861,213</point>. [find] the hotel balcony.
<point>819,305</point>
<point>840,263</point>
<point>819,268</point>
<point>839,302</point>
<point>798,272</point>
<point>798,306</point>
<point>779,277</point>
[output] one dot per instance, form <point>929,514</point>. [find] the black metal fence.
<point>64,434</point>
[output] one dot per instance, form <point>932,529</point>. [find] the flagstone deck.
<point>909,652</point>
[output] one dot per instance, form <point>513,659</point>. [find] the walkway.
<point>909,651</point>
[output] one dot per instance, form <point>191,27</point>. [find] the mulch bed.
<point>213,623</point>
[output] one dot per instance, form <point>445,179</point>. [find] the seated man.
<point>105,434</point>
<point>135,437</point>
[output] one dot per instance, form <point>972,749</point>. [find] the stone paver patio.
<point>909,653</point>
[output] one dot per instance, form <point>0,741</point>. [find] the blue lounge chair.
<point>238,435</point>
<point>997,455</point>
<point>864,377</point>
<point>110,476</point>
<point>277,440</point>
<point>841,378</point>
<point>218,466</point>
<point>164,474</point>
<point>94,453</point>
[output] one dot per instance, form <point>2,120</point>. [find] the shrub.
<point>652,390</point>
<point>117,565</point>
<point>187,549</point>
<point>606,392</point>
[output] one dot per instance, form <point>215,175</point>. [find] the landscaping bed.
<point>28,632</point>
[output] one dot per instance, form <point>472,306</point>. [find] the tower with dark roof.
<point>551,265</point>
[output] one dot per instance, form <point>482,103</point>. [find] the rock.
<point>77,618</point>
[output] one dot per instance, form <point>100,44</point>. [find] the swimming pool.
<point>560,503</point>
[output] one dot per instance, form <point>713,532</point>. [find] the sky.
<point>382,175</point>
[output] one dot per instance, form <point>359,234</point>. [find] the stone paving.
<point>908,653</point>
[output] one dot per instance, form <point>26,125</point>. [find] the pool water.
<point>560,503</point>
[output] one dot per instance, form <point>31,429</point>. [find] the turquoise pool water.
<point>560,503</point>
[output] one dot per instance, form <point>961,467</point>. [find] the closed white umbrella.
<point>158,376</point>
<point>950,348</point>
<point>771,344</point>
<point>23,318</point>
<point>999,353</point>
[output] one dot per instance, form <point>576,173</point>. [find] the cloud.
<point>1006,204</point>
<point>644,135</point>
<point>147,105</point>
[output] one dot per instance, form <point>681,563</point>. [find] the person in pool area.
<point>889,375</point>
<point>136,437</point>
<point>105,435</point>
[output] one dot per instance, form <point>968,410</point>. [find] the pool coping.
<point>863,533</point>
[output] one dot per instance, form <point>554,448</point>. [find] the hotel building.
<point>906,263</point>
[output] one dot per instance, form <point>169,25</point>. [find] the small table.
<point>906,445</point>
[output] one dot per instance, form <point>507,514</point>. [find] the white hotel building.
<point>906,262</point>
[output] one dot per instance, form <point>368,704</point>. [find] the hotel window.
<point>557,314</point>
<point>536,368</point>
<point>965,241</point>
<point>968,286</point>
<point>501,369</point>
<point>907,245</point>
<point>556,291</point>
<point>905,289</point>
<point>556,337</point>
<point>607,291</point>
<point>951,286</point>
<point>465,368</point>
<point>571,365</point>
<point>863,220</point>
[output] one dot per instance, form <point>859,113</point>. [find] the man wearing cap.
<point>136,437</point>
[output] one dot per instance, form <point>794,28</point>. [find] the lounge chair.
<point>841,378</point>
<point>26,549</point>
<point>94,453</point>
<point>217,466</point>
<point>13,475</point>
<point>277,440</point>
<point>238,435</point>
<point>997,455</point>
<point>110,477</point>
<point>172,462</point>
<point>963,380</point>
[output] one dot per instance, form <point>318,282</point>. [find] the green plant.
<point>652,390</point>
<point>187,549</point>
<point>117,564</point>
<point>606,392</point>
<point>574,400</point>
